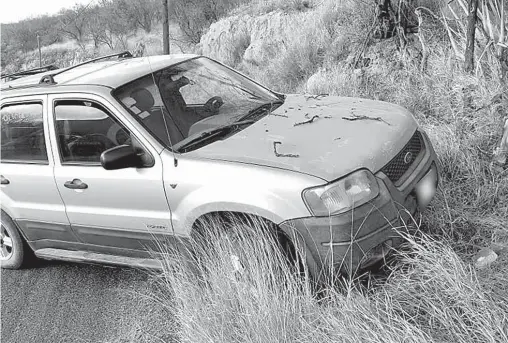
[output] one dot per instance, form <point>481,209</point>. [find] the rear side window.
<point>23,133</point>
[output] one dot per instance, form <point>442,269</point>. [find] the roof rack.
<point>49,79</point>
<point>33,71</point>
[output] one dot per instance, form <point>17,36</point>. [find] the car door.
<point>124,208</point>
<point>28,190</point>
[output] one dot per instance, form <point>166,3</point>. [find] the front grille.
<point>401,163</point>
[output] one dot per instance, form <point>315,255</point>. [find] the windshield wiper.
<point>212,133</point>
<point>267,107</point>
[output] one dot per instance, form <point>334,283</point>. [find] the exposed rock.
<point>326,81</point>
<point>266,37</point>
<point>222,37</point>
<point>485,258</point>
<point>314,82</point>
<point>248,38</point>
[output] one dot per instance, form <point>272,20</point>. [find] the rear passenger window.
<point>23,133</point>
<point>85,130</point>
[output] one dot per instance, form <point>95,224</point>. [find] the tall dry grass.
<point>430,295</point>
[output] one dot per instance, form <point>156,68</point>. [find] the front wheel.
<point>13,250</point>
<point>242,241</point>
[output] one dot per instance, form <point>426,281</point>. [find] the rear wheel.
<point>13,250</point>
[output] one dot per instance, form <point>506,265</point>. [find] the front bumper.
<point>351,241</point>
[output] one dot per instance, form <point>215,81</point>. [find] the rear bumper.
<point>346,242</point>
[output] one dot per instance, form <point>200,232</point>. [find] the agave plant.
<point>492,25</point>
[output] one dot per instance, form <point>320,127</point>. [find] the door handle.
<point>76,184</point>
<point>5,181</point>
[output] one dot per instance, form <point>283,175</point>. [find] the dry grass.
<point>430,296</point>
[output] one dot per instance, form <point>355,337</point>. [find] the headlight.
<point>343,195</point>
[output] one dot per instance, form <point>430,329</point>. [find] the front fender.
<point>247,200</point>
<point>196,187</point>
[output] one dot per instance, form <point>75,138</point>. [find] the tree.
<point>95,26</point>
<point>117,25</point>
<point>385,23</point>
<point>73,23</point>
<point>23,36</point>
<point>470,36</point>
<point>144,12</point>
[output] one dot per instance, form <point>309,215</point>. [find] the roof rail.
<point>49,79</point>
<point>32,71</point>
<point>8,88</point>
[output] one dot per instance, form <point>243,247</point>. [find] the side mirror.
<point>120,157</point>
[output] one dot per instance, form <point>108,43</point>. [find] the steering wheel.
<point>213,104</point>
<point>90,145</point>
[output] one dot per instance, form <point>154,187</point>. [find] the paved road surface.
<point>64,302</point>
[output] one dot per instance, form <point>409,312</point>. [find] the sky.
<point>15,10</point>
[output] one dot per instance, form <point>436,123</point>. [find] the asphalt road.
<point>64,302</point>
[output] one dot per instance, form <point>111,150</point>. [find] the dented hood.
<point>346,134</point>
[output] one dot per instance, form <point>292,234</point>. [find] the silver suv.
<point>101,159</point>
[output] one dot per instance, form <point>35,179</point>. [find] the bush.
<point>195,16</point>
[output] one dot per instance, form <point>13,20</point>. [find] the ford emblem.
<point>408,158</point>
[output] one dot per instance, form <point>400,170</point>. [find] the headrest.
<point>144,99</point>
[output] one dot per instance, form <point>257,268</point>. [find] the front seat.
<point>156,118</point>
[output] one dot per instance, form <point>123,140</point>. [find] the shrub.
<point>195,16</point>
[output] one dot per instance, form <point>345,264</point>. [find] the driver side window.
<point>85,129</point>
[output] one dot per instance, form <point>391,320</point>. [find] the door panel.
<point>28,192</point>
<point>33,201</point>
<point>117,208</point>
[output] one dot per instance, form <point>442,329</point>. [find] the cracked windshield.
<point>193,101</point>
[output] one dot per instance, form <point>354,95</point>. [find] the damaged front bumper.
<point>354,241</point>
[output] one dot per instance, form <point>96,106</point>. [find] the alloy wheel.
<point>6,245</point>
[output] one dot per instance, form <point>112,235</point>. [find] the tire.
<point>13,249</point>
